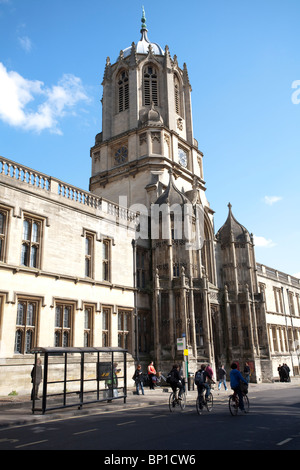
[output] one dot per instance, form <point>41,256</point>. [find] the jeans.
<point>241,397</point>
<point>177,386</point>
<point>151,385</point>
<point>224,383</point>
<point>35,391</point>
<point>202,387</point>
<point>141,385</point>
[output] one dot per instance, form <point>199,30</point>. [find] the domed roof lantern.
<point>142,46</point>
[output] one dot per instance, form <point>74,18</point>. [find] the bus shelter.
<point>78,376</point>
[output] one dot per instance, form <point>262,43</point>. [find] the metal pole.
<point>125,377</point>
<point>65,379</point>
<point>81,380</point>
<point>33,384</point>
<point>44,401</point>
<point>97,373</point>
<point>185,363</point>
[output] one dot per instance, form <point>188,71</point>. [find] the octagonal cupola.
<point>146,123</point>
<point>146,80</point>
<point>142,47</point>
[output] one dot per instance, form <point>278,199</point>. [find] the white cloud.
<point>297,275</point>
<point>263,242</point>
<point>270,200</point>
<point>19,106</point>
<point>25,43</point>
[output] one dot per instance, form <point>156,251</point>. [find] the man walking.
<point>222,377</point>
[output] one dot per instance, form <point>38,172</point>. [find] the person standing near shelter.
<point>112,381</point>
<point>36,379</point>
<point>151,375</point>
<point>138,378</point>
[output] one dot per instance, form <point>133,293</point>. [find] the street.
<point>272,424</point>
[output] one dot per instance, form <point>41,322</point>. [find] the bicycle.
<point>161,381</point>
<point>202,402</point>
<point>234,401</point>
<point>175,402</point>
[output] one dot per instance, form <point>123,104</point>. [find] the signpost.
<point>181,346</point>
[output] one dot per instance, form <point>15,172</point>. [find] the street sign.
<point>180,344</point>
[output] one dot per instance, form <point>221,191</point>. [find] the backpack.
<point>244,387</point>
<point>199,377</point>
<point>170,377</point>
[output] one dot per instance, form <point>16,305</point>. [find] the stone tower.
<point>147,126</point>
<point>147,155</point>
<point>189,283</point>
<point>243,332</point>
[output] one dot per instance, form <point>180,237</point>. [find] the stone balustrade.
<point>38,180</point>
<point>277,275</point>
<point>24,174</point>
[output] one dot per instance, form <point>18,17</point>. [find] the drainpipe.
<point>135,315</point>
<point>291,354</point>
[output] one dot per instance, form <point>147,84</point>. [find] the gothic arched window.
<point>123,91</point>
<point>150,85</point>
<point>177,95</point>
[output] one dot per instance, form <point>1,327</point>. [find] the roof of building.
<point>172,195</point>
<point>232,230</point>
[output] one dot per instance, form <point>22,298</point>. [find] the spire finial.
<point>144,26</point>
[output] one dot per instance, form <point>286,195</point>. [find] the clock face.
<point>121,155</point>
<point>182,157</point>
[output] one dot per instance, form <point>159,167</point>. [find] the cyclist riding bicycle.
<point>174,379</point>
<point>235,379</point>
<point>203,380</point>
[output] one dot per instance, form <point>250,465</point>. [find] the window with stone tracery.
<point>124,329</point>
<point>26,322</point>
<point>63,325</point>
<point>3,232</point>
<point>150,86</point>
<point>123,91</point>
<point>106,326</point>
<point>88,326</point>
<point>177,95</point>
<point>31,242</point>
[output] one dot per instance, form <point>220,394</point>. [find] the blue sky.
<point>242,59</point>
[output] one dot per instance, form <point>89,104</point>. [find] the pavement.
<point>17,410</point>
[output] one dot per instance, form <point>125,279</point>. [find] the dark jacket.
<point>38,377</point>
<point>222,373</point>
<point>138,376</point>
<point>175,376</point>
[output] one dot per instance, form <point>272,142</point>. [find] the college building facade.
<point>135,261</point>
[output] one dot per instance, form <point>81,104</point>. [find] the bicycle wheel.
<point>172,402</point>
<point>233,405</point>
<point>246,403</point>
<point>199,405</point>
<point>209,402</point>
<point>182,402</point>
